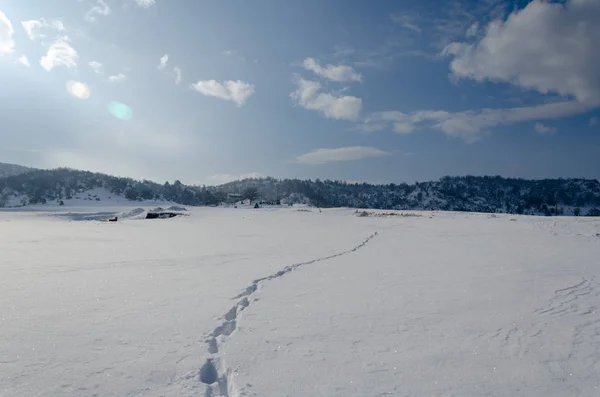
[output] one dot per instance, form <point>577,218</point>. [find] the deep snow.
<point>281,302</point>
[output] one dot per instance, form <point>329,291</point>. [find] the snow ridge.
<point>214,373</point>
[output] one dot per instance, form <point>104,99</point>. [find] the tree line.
<point>468,193</point>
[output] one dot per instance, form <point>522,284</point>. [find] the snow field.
<point>278,302</point>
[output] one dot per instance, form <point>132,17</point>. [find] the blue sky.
<point>382,91</point>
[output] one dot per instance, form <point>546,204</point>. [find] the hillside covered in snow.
<point>469,193</point>
<point>12,169</point>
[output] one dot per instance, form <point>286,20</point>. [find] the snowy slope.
<point>281,302</point>
<point>90,198</point>
<point>12,169</point>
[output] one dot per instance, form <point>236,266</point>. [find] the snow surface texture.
<point>281,302</point>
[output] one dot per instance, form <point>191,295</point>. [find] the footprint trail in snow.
<point>217,377</point>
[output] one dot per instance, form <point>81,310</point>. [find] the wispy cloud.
<point>177,73</point>
<point>406,21</point>
<point>7,43</point>
<point>593,122</point>
<point>235,54</point>
<point>163,62</point>
<point>144,3</point>
<point>24,61</point>
<point>25,150</point>
<point>37,29</point>
<point>469,125</point>
<point>349,153</point>
<point>339,73</point>
<point>460,18</point>
<point>97,67</point>
<point>473,29</point>
<point>343,51</point>
<point>235,91</point>
<point>101,8</point>
<point>390,52</point>
<point>543,129</point>
<point>398,121</point>
<point>60,53</point>
<point>117,78</point>
<point>308,96</point>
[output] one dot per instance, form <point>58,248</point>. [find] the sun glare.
<point>78,89</point>
<point>120,110</point>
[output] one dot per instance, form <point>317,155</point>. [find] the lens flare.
<point>78,89</point>
<point>120,110</point>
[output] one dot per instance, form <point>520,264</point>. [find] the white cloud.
<point>60,53</point>
<point>177,73</point>
<point>7,44</point>
<point>117,78</point>
<point>406,21</point>
<point>35,28</point>
<point>163,62</point>
<point>593,122</point>
<point>350,153</point>
<point>544,129</point>
<point>400,122</point>
<point>236,91</point>
<point>24,61</point>
<point>472,124</point>
<point>308,96</point>
<point>101,8</point>
<point>145,3</point>
<point>97,67</point>
<point>547,46</point>
<point>339,73</point>
<point>31,28</point>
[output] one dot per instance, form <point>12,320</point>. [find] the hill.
<point>12,169</point>
<point>54,186</point>
<point>468,193</point>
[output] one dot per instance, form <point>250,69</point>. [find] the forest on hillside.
<point>466,193</point>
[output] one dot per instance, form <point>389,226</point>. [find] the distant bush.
<point>386,214</point>
<point>593,212</point>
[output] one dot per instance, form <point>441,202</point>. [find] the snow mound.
<point>86,216</point>
<point>136,213</point>
<point>173,209</point>
<point>176,208</point>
